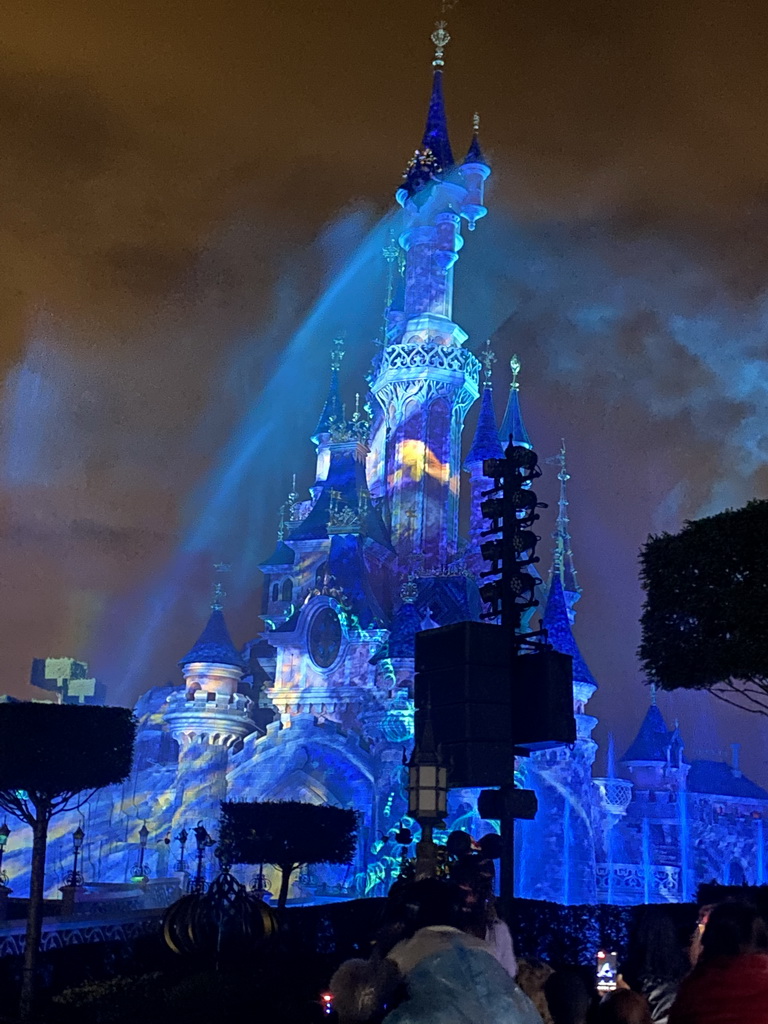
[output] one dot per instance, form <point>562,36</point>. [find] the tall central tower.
<point>426,380</point>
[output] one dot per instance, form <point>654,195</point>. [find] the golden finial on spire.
<point>562,476</point>
<point>476,123</point>
<point>392,253</point>
<point>441,39</point>
<point>391,249</point>
<point>217,602</point>
<point>487,358</point>
<point>281,524</point>
<point>514,365</point>
<point>337,354</point>
<point>293,497</point>
<point>356,414</point>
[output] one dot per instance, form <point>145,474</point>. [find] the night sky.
<point>181,181</point>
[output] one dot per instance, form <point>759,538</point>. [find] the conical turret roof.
<point>653,739</point>
<point>555,620</point>
<point>332,410</point>
<point>475,152</point>
<point>214,645</point>
<point>485,444</point>
<point>436,130</point>
<point>512,425</point>
<point>435,156</point>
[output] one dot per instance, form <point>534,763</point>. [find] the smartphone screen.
<point>607,969</point>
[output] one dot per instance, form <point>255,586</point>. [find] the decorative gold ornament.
<point>441,39</point>
<point>487,358</point>
<point>514,365</point>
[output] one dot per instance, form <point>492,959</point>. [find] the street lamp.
<point>139,874</point>
<point>75,878</point>
<point>427,798</point>
<point>4,833</point>
<point>181,839</point>
<point>203,840</point>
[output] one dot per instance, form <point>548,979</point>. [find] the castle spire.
<point>421,422</point>
<point>562,557</point>
<point>485,444</point>
<point>512,425</point>
<point>435,155</point>
<point>557,623</point>
<point>436,130</point>
<point>332,407</point>
<point>475,153</point>
<point>214,645</point>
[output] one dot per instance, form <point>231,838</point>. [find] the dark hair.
<point>474,875</point>
<point>415,905</point>
<point>733,928</point>
<point>655,952</point>
<point>623,1007</point>
<point>474,870</point>
<point>568,997</point>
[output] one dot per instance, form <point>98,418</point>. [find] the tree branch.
<point>758,709</point>
<point>17,807</point>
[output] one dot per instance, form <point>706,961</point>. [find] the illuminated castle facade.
<point>319,706</point>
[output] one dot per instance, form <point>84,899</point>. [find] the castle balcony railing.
<point>427,356</point>
<point>630,884</point>
<point>615,795</point>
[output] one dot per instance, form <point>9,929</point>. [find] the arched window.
<point>286,593</point>
<point>275,591</point>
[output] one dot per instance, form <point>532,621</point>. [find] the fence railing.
<point>627,884</point>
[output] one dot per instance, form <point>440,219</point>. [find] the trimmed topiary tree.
<point>286,833</point>
<point>53,757</point>
<point>705,618</point>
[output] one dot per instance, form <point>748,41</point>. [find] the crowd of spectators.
<point>444,956</point>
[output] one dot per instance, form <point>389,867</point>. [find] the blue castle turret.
<point>512,425</point>
<point>475,170</point>
<point>208,717</point>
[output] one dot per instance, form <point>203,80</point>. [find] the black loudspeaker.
<point>462,676</point>
<point>480,711</point>
<point>519,803</point>
<point>542,699</point>
<point>463,643</point>
<point>471,760</point>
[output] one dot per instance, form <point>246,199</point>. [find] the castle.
<point>319,706</point>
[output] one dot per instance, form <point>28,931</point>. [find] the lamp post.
<point>4,833</point>
<point>75,878</point>
<point>203,840</point>
<point>139,872</point>
<point>427,798</point>
<point>181,839</point>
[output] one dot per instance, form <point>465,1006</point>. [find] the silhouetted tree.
<point>53,757</point>
<point>705,618</point>
<point>286,833</point>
